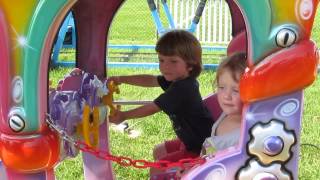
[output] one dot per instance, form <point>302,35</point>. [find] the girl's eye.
<point>160,60</point>
<point>173,61</point>
<point>235,91</point>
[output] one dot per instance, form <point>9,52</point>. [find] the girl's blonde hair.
<point>236,64</point>
<point>183,44</point>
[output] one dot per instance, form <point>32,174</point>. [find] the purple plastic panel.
<point>7,174</point>
<point>238,24</point>
<point>265,122</point>
<point>66,107</point>
<point>92,21</point>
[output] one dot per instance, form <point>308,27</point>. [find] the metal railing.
<point>215,24</point>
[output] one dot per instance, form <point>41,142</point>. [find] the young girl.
<point>179,54</point>
<point>226,130</point>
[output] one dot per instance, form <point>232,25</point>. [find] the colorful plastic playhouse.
<point>36,125</point>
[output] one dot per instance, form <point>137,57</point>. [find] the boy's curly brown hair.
<point>183,44</point>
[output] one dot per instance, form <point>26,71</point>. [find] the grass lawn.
<point>157,128</point>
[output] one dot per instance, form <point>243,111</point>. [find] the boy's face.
<point>228,93</point>
<point>173,68</point>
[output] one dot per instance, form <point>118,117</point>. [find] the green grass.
<point>133,25</point>
<point>309,167</point>
<point>157,128</point>
<point>137,27</point>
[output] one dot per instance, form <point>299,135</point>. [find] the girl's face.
<point>228,93</point>
<point>173,68</point>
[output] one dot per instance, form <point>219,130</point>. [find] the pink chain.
<point>125,161</point>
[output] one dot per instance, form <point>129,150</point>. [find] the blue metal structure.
<point>157,21</point>
<point>67,29</point>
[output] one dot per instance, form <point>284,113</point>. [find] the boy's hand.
<point>115,79</point>
<point>117,118</point>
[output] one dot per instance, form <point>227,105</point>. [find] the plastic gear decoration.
<point>271,142</point>
<point>255,171</point>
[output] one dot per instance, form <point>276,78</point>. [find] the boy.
<point>180,64</point>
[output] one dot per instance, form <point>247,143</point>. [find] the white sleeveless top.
<point>216,143</point>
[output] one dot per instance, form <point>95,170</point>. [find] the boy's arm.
<point>138,80</point>
<point>139,112</point>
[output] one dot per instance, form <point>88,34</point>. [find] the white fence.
<point>215,24</point>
